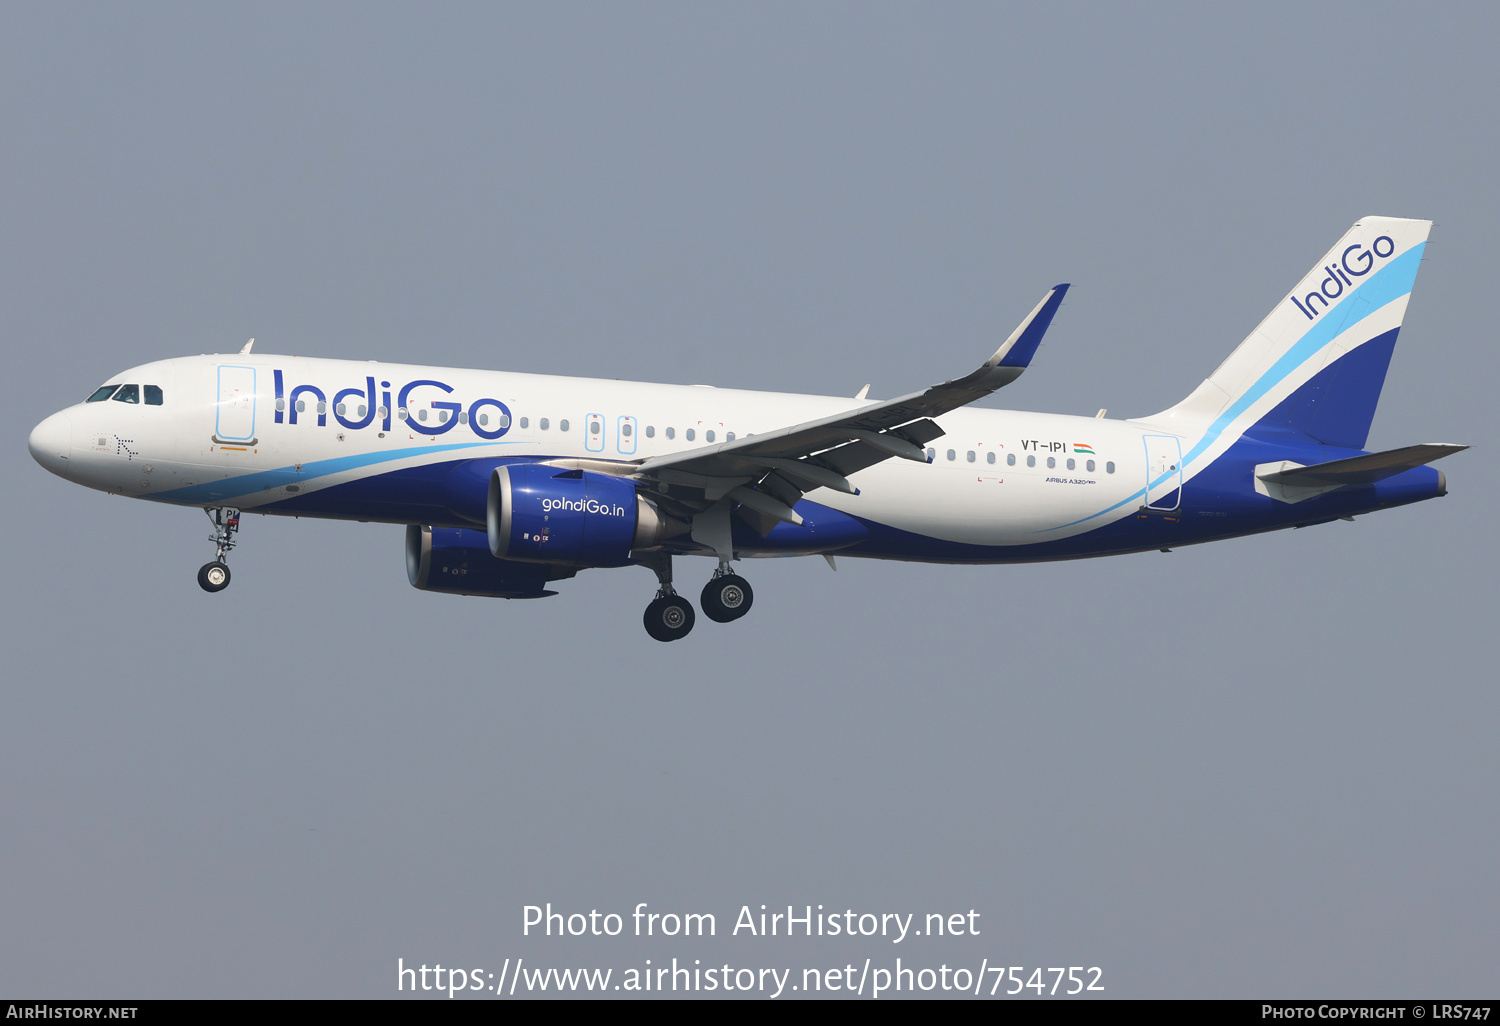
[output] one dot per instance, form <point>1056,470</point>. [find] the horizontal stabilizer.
<point>1292,482</point>
<point>1364,469</point>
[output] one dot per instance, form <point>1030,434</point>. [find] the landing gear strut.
<point>727,596</point>
<point>214,576</point>
<point>669,616</point>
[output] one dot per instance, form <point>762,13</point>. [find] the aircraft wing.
<point>768,472</point>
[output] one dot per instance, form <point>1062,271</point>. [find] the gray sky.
<point>1261,767</point>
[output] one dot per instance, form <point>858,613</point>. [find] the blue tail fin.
<point>1337,405</point>
<point>1315,366</point>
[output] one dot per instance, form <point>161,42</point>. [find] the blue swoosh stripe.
<point>247,484</point>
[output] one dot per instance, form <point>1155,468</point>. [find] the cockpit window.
<point>103,394</point>
<point>128,394</point>
<point>153,395</point>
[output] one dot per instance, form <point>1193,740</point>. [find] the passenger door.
<point>235,420</point>
<point>1163,472</point>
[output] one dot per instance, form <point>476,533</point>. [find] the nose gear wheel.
<point>214,576</point>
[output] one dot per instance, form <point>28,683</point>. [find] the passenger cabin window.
<point>525,422</point>
<point>624,429</point>
<point>1109,468</point>
<point>153,395</point>
<point>1010,459</point>
<point>691,434</point>
<point>729,436</point>
<point>971,456</point>
<point>1031,461</point>
<point>952,455</point>
<point>594,428</point>
<point>1071,464</point>
<point>1051,463</point>
<point>102,394</point>
<point>543,424</point>
<point>671,432</point>
<point>562,425</point>
<point>708,436</point>
<point>1090,466</point>
<point>650,431</point>
<point>128,394</point>
<point>989,457</point>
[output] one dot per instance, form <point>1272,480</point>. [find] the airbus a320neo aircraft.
<point>509,482</point>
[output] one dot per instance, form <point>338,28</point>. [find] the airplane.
<point>509,482</point>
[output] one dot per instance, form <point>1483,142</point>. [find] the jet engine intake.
<point>543,514</point>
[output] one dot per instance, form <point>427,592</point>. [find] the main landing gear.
<point>726,597</point>
<point>214,576</point>
<point>669,616</point>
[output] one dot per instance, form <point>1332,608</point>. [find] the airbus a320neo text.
<point>508,483</point>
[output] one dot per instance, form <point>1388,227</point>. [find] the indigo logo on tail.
<point>1355,263</point>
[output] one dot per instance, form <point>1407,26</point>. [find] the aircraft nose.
<point>51,441</point>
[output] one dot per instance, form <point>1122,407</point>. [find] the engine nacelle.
<point>545,514</point>
<point>458,561</point>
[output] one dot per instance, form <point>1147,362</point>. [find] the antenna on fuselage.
<point>246,350</point>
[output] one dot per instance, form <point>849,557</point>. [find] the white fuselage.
<point>997,478</point>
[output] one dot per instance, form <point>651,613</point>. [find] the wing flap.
<point>834,432</point>
<point>764,475</point>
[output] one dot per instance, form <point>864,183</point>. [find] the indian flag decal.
<point>1080,447</point>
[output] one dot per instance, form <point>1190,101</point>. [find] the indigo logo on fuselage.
<point>487,418</point>
<point>1356,262</point>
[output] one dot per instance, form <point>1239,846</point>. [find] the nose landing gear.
<point>727,596</point>
<point>214,576</point>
